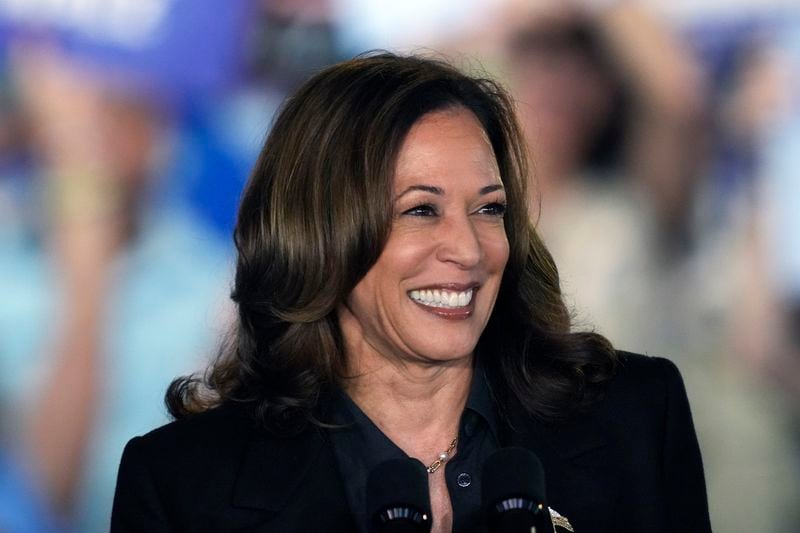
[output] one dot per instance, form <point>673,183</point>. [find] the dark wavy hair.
<point>314,218</point>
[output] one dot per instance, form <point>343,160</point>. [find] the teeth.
<point>463,299</point>
<point>442,298</point>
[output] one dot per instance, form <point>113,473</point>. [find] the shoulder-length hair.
<point>314,218</point>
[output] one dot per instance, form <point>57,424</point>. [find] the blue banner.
<point>167,45</point>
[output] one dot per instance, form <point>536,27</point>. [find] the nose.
<point>459,243</point>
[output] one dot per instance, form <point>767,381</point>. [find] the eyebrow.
<point>439,191</point>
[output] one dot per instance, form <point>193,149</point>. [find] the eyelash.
<point>423,210</point>
<point>496,209</point>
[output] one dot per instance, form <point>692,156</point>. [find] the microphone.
<point>513,492</point>
<point>398,499</point>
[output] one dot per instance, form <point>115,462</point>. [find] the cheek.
<point>361,296</point>
<point>496,250</point>
<point>405,252</point>
<point>399,260</point>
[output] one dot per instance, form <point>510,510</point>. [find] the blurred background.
<point>666,142</point>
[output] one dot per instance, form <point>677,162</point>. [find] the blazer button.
<point>464,480</point>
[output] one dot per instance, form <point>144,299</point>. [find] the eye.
<point>495,209</point>
<point>422,210</point>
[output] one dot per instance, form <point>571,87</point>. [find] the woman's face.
<point>432,290</point>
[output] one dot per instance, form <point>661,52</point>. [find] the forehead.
<point>446,146</point>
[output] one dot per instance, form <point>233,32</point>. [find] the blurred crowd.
<point>665,140</point>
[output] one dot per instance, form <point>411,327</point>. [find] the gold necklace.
<point>443,457</point>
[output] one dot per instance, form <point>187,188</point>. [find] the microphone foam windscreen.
<point>398,482</point>
<point>512,472</point>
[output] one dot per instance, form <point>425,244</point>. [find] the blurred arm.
<point>665,146</point>
<point>665,76</point>
<point>86,228</point>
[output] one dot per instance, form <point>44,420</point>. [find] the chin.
<point>447,352</point>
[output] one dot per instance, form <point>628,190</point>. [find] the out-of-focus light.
<point>130,23</point>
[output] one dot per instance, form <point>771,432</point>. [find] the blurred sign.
<point>129,23</point>
<point>169,45</point>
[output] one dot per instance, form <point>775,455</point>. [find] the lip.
<point>455,313</point>
<point>455,287</point>
<point>458,313</point>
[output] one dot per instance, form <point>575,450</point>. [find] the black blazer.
<point>631,464</point>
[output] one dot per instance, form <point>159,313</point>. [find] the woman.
<point>394,300</point>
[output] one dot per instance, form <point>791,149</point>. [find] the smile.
<point>443,299</point>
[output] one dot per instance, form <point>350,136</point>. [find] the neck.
<point>417,405</point>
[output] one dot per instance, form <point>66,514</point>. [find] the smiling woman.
<point>395,301</point>
<point>431,291</point>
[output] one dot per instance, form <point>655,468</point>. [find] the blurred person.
<point>759,116</point>
<point>614,108</point>
<point>221,133</point>
<point>109,287</point>
<point>768,333</point>
<point>611,106</point>
<point>780,194</point>
<point>293,40</point>
<point>23,507</point>
<point>763,112</point>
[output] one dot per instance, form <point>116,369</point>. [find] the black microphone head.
<point>512,472</point>
<point>513,491</point>
<point>397,492</point>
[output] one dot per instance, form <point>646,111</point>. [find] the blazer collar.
<point>575,453</point>
<point>569,439</point>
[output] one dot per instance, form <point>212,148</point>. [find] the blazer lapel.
<point>273,468</point>
<point>580,483</point>
<point>294,481</point>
